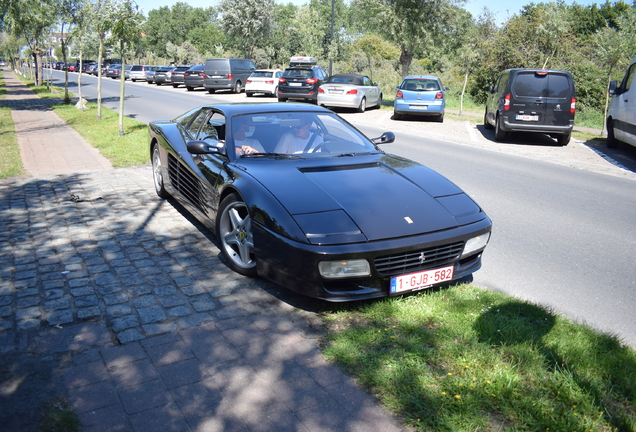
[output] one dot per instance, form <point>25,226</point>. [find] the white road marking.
<point>471,131</point>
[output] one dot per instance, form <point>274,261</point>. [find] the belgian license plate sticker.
<point>421,280</point>
<point>526,117</point>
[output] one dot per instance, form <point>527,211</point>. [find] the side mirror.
<point>446,88</point>
<point>613,85</point>
<point>386,138</point>
<point>491,89</point>
<point>202,147</point>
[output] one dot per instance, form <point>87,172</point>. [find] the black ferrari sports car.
<point>299,196</point>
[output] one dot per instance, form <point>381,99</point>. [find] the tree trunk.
<point>79,77</point>
<point>406,57</point>
<point>461,98</point>
<point>99,76</point>
<point>67,99</point>
<point>122,91</point>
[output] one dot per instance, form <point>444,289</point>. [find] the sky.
<point>503,9</point>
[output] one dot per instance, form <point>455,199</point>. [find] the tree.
<point>102,16</point>
<point>33,21</point>
<point>247,22</point>
<point>126,30</point>
<point>72,15</point>
<point>179,24</point>
<point>410,24</point>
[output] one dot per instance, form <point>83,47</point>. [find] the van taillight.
<point>229,76</point>
<point>572,105</point>
<point>506,106</point>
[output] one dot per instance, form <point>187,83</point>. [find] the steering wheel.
<point>319,147</point>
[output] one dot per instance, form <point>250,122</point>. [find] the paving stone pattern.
<point>120,304</point>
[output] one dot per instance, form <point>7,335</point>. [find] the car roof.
<point>355,79</point>
<point>231,109</point>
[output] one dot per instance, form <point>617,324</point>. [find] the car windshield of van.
<point>549,85</point>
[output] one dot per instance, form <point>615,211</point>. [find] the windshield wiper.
<point>271,154</point>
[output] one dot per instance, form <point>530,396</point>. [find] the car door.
<point>197,178</point>
<point>625,108</point>
<point>211,166</point>
<point>372,91</point>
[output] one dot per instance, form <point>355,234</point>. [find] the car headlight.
<point>344,268</point>
<point>475,244</point>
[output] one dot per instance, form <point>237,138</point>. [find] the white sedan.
<point>263,81</point>
<point>349,91</point>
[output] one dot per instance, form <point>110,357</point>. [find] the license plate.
<point>216,76</point>
<point>333,91</point>
<point>421,280</point>
<point>295,84</point>
<point>419,107</point>
<point>526,117</point>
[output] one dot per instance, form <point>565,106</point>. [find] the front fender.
<point>265,209</point>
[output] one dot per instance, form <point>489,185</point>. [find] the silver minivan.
<point>621,117</point>
<point>227,73</point>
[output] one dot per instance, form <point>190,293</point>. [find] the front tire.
<point>157,173</point>
<point>234,233</point>
<point>612,142</point>
<point>486,124</point>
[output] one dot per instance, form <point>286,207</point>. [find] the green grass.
<point>467,359</point>
<point>10,160</point>
<point>59,417</point>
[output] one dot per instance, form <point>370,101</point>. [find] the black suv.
<point>532,100</point>
<point>300,82</point>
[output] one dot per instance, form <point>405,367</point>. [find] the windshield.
<point>296,134</point>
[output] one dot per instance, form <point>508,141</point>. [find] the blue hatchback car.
<point>420,95</point>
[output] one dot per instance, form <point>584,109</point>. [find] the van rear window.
<point>550,85</point>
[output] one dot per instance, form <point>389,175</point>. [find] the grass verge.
<point>10,159</point>
<point>467,359</point>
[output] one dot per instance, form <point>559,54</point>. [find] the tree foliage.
<point>247,22</point>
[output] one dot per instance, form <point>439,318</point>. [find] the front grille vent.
<point>415,261</point>
<point>186,183</point>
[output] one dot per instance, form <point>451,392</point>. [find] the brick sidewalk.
<point>120,304</point>
<point>48,146</point>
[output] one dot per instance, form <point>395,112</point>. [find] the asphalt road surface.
<point>564,218</point>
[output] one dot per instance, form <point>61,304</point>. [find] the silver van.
<point>227,73</point>
<point>621,117</point>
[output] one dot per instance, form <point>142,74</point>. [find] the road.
<point>564,219</point>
